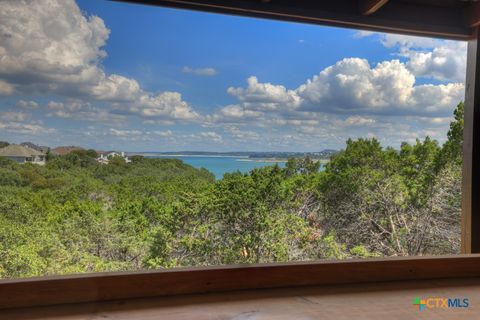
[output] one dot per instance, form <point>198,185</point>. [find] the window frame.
<point>470,235</point>
<point>124,285</point>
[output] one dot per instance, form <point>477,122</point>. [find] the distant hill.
<point>43,149</point>
<point>64,150</point>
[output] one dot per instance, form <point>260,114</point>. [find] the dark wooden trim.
<point>395,16</point>
<point>472,14</point>
<point>471,152</point>
<point>367,7</point>
<point>115,286</point>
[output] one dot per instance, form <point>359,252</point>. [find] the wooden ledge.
<point>381,300</point>
<point>126,285</point>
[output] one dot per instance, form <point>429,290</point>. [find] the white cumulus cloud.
<point>27,104</point>
<point>6,89</point>
<point>352,85</point>
<point>265,96</point>
<point>206,72</point>
<point>50,46</point>
<point>213,136</point>
<point>444,60</point>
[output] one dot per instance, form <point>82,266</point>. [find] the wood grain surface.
<point>113,286</point>
<point>382,301</point>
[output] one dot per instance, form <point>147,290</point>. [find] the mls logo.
<point>441,303</point>
<point>420,302</point>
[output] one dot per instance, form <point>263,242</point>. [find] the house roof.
<point>31,145</point>
<point>15,150</point>
<point>61,151</point>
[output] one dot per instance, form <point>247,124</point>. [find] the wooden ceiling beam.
<point>472,14</point>
<point>368,7</point>
<point>395,16</point>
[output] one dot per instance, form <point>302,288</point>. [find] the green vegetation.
<point>76,215</point>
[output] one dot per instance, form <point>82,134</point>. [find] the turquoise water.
<point>221,165</point>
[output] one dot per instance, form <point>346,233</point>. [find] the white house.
<point>23,154</point>
<point>104,158</point>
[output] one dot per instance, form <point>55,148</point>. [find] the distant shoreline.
<point>153,154</point>
<point>262,160</point>
<point>237,158</point>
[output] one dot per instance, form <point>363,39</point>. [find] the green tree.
<point>418,165</point>
<point>452,148</point>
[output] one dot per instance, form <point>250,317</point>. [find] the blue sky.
<point>112,75</point>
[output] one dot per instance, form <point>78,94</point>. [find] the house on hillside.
<point>105,157</point>
<point>23,154</point>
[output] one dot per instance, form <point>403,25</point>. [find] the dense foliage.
<point>76,215</point>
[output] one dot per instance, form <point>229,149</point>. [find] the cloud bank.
<point>51,56</point>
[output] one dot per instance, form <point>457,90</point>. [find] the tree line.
<point>75,215</point>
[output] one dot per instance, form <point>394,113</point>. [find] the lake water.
<point>221,165</point>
